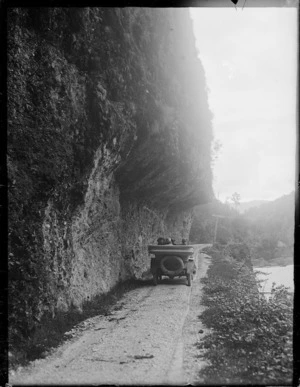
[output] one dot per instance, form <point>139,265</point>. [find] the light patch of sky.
<point>250,61</point>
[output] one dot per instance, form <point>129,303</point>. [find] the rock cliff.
<point>109,136</point>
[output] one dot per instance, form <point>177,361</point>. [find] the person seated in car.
<point>168,241</point>
<point>164,241</point>
<point>161,241</point>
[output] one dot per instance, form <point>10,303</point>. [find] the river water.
<point>281,275</point>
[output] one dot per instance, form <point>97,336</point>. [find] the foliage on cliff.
<point>267,229</point>
<point>251,336</point>
<point>107,117</point>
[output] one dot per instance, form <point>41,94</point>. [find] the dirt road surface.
<point>148,339</point>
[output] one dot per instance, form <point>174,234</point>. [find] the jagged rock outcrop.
<point>109,136</point>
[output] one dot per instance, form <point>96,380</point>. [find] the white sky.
<point>250,61</point>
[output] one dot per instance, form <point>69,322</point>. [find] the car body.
<point>172,261</point>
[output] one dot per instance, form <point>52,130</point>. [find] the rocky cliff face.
<point>109,136</point>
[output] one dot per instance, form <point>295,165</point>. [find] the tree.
<point>236,199</point>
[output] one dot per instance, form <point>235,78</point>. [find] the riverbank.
<point>280,261</point>
<point>244,327</point>
<point>280,275</point>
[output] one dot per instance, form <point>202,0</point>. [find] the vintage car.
<point>172,261</point>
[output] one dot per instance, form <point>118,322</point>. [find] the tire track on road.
<point>140,343</point>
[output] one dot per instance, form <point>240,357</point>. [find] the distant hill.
<point>272,227</point>
<point>280,208</point>
<point>266,226</point>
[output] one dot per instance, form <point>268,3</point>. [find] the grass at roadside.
<point>52,330</point>
<point>251,337</point>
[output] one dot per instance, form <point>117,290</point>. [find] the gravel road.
<point>148,339</point>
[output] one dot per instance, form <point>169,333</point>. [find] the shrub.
<point>251,337</point>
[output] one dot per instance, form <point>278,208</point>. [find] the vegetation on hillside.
<point>267,229</point>
<point>251,337</point>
